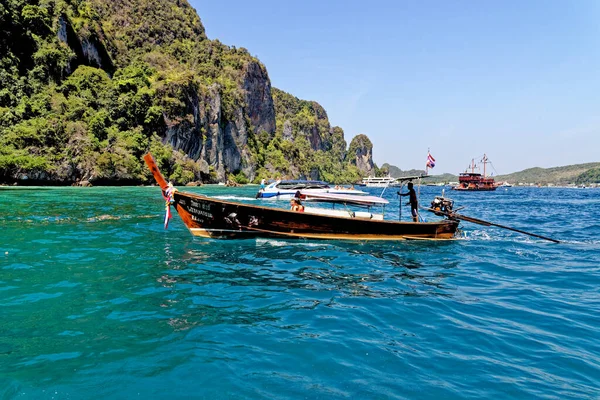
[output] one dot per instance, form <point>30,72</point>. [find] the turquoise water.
<point>99,301</point>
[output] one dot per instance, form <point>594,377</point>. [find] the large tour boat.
<point>380,181</point>
<point>471,181</point>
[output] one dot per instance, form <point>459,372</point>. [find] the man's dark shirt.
<point>414,203</point>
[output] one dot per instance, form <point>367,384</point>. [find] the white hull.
<point>382,185</point>
<point>380,182</point>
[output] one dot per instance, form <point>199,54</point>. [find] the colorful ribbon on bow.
<point>169,199</point>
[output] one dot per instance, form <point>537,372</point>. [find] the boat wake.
<point>583,242</point>
<point>483,235</point>
<point>477,235</point>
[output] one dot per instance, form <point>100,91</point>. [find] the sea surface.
<point>99,301</point>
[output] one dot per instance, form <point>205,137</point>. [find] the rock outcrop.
<point>89,50</point>
<point>360,154</point>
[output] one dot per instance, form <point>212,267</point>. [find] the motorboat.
<point>287,189</point>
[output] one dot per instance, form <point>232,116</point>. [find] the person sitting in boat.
<point>414,203</point>
<point>296,205</point>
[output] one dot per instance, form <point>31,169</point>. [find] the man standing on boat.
<point>414,203</point>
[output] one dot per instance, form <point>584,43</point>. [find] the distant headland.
<point>587,174</point>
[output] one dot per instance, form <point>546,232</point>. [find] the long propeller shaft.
<point>465,218</point>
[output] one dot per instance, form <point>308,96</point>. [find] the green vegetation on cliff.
<point>58,125</point>
<point>88,86</point>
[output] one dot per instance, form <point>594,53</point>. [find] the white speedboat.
<point>285,190</point>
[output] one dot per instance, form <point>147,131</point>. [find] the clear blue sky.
<point>518,80</point>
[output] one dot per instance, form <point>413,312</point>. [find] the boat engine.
<point>442,205</point>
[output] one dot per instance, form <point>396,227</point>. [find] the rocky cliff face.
<point>221,140</point>
<point>88,50</point>
<point>218,140</point>
<point>259,102</point>
<point>208,133</point>
<point>205,132</point>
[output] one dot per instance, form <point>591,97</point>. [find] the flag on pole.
<point>430,161</point>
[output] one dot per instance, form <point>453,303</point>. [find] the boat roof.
<point>402,178</point>
<point>344,198</point>
<point>299,184</point>
<point>410,178</point>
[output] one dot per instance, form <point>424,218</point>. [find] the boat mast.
<point>472,165</point>
<point>484,162</point>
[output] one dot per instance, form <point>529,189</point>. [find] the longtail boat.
<point>215,218</point>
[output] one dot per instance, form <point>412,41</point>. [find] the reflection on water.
<point>368,270</point>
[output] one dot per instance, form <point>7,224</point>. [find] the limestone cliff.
<point>90,85</point>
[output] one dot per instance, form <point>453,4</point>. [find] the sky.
<point>517,80</point>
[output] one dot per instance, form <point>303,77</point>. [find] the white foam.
<point>281,243</point>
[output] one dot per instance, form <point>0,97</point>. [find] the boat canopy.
<point>344,198</point>
<point>410,178</point>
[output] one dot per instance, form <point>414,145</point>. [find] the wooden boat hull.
<point>215,218</point>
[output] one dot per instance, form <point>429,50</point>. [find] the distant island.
<point>577,174</point>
